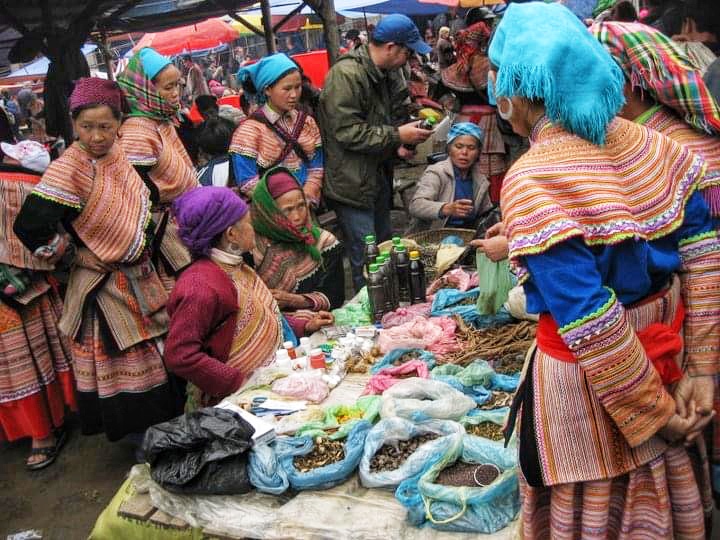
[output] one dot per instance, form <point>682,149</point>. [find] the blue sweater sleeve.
<point>567,279</point>
<point>245,169</point>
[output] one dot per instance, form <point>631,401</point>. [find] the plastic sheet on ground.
<point>391,430</point>
<point>466,509</point>
<point>340,512</point>
<point>419,399</point>
<point>436,334</point>
<point>390,376</point>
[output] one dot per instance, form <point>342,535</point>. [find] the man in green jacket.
<point>359,139</point>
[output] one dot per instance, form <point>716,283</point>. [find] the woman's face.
<point>516,110</point>
<point>294,207</point>
<point>285,93</point>
<point>167,83</point>
<point>96,129</point>
<point>464,151</point>
<point>242,234</point>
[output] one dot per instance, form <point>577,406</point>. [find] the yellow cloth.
<point>111,526</point>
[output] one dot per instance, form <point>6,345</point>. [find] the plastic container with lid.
<point>282,359</point>
<point>317,359</point>
<point>290,348</point>
<point>305,346</point>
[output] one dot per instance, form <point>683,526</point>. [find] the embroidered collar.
<point>223,257</point>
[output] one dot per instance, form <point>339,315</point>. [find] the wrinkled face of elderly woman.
<point>464,151</point>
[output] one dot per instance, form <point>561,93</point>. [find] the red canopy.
<point>195,37</point>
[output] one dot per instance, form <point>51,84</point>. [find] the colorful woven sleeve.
<point>315,168</point>
<point>244,153</point>
<point>141,141</point>
<point>595,328</point>
<point>700,277</point>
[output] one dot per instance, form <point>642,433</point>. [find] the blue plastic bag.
<point>389,359</point>
<point>465,509</point>
<point>473,380</point>
<point>265,472</point>
<point>445,305</point>
<point>506,383</point>
<point>395,429</point>
<point>322,477</point>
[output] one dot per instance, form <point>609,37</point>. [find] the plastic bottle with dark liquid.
<point>417,279</point>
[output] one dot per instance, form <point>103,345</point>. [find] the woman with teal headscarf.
<point>277,134</point>
<point>152,145</point>
<point>617,254</point>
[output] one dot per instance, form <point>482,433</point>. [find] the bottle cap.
<point>317,352</point>
<point>381,259</point>
<point>401,247</point>
<point>304,340</point>
<point>370,239</point>
<point>396,239</point>
<point>414,254</point>
<point>373,268</point>
<point>288,345</point>
<point>431,120</point>
<point>385,253</point>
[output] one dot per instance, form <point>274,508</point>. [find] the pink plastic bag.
<point>406,314</point>
<point>305,385</point>
<point>389,376</point>
<point>436,334</point>
<point>456,279</point>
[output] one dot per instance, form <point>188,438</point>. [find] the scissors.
<point>257,409</point>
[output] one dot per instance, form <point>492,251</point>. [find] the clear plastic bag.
<point>396,429</point>
<point>304,385</point>
<point>420,399</point>
<point>265,472</point>
<point>322,477</point>
<point>465,509</point>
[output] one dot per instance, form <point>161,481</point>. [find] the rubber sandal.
<point>50,452</point>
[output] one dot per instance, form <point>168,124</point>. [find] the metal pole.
<point>107,57</point>
<point>267,25</point>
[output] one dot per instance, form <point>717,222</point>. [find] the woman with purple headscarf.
<point>224,321</point>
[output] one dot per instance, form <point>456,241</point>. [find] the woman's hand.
<point>678,427</point>
<point>496,230</point>
<point>694,395</point>
<point>312,193</point>
<point>496,248</point>
<point>461,208</point>
<point>320,319</point>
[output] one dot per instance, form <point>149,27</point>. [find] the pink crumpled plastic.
<point>406,314</point>
<point>389,376</point>
<point>305,385</point>
<point>436,334</point>
<point>457,279</point>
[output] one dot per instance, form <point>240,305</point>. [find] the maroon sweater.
<point>203,314</point>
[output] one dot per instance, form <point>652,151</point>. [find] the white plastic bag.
<point>390,430</point>
<point>304,385</point>
<point>420,399</point>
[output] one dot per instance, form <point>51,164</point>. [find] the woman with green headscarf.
<point>152,145</point>
<point>299,262</point>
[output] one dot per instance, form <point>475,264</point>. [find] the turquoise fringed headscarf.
<point>266,72</point>
<point>544,52</point>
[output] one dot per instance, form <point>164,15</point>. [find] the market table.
<point>142,509</point>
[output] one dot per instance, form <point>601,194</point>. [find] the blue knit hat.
<point>152,61</point>
<point>542,51</point>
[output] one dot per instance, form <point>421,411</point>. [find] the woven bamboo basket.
<point>434,236</point>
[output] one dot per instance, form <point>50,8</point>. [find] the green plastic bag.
<point>479,372</point>
<point>495,284</point>
<point>342,418</point>
<point>356,312</point>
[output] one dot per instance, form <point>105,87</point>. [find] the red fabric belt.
<point>662,343</point>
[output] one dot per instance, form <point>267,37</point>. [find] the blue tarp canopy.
<point>39,67</point>
<point>406,7</point>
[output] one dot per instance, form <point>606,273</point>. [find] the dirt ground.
<point>65,499</point>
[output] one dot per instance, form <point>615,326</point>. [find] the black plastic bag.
<point>203,452</point>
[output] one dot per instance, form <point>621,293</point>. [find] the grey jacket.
<point>356,114</point>
<point>437,187</point>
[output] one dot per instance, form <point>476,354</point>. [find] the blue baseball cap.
<point>400,29</point>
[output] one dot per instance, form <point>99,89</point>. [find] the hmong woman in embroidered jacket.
<point>666,92</point>
<point>617,253</point>
<point>36,380</point>
<point>224,322</point>
<point>151,143</point>
<point>299,262</point>
<point>277,134</point>
<point>115,303</point>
